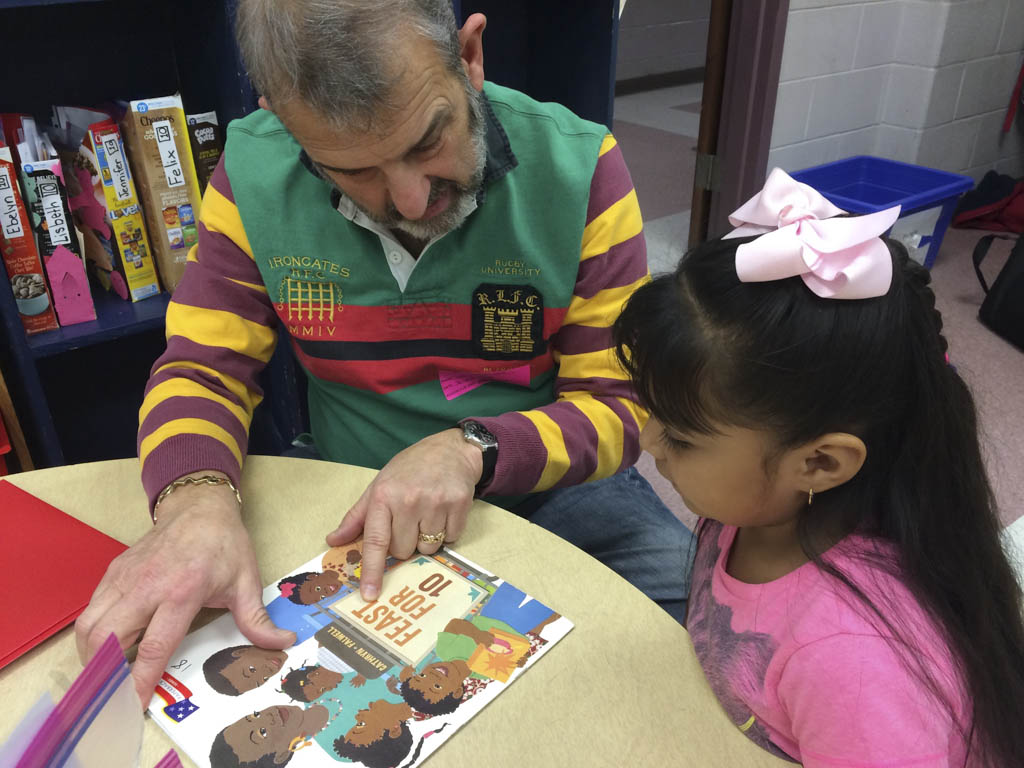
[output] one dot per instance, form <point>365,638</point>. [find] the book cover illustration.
<point>379,684</point>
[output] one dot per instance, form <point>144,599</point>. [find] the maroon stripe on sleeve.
<point>227,361</point>
<point>622,264</point>
<point>209,292</point>
<point>598,385</point>
<point>610,183</point>
<point>182,454</point>
<point>199,377</point>
<point>219,250</point>
<point>194,408</point>
<point>522,455</point>
<point>580,339</point>
<point>219,180</point>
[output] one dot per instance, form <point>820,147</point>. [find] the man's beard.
<point>463,196</point>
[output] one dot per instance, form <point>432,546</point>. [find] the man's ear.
<point>471,40</point>
<point>264,104</point>
<point>827,462</point>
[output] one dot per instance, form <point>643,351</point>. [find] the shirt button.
<point>395,257</point>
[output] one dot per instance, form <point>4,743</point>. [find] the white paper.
<point>164,134</point>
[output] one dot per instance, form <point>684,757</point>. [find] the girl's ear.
<point>827,462</point>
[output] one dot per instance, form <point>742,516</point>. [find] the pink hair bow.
<point>287,589</point>
<point>838,258</point>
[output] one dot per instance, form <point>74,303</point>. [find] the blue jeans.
<point>619,521</point>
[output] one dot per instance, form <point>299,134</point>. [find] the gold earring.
<point>810,496</point>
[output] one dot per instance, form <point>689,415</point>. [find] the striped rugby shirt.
<point>506,319</point>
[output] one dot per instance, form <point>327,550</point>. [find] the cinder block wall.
<point>922,81</point>
<point>659,36</point>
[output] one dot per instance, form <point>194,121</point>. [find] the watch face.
<point>478,433</point>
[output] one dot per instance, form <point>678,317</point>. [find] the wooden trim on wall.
<point>753,61</point>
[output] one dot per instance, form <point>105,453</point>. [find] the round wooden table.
<point>624,688</point>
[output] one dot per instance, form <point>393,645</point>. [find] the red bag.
<point>997,203</point>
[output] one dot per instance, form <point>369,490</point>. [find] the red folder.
<point>51,564</point>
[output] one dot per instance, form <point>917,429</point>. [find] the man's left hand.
<point>427,488</point>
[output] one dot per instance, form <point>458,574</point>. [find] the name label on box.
<point>117,166</point>
<point>53,210</point>
<point>168,153</point>
<point>9,207</point>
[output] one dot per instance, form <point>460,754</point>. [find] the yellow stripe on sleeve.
<point>603,363</point>
<point>221,215</point>
<point>249,398</point>
<point>217,328</point>
<point>189,388</point>
<point>608,143</point>
<point>609,429</point>
<point>603,307</point>
<point>558,457</point>
<point>253,286</point>
<point>188,427</point>
<point>619,222</point>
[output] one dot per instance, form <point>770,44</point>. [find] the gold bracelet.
<point>203,480</point>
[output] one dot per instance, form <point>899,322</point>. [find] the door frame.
<point>744,59</point>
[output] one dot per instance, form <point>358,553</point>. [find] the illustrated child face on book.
<point>233,671</point>
<point>382,718</point>
<point>438,682</point>
<point>310,683</point>
<point>271,732</point>
<point>310,587</point>
<point>346,560</point>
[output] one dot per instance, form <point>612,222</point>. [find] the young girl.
<point>851,602</point>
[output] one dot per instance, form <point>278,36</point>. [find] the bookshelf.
<point>79,388</point>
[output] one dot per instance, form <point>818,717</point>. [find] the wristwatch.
<point>476,433</point>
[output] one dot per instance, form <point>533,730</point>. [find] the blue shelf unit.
<point>78,389</point>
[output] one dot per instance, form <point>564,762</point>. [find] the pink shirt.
<point>799,667</point>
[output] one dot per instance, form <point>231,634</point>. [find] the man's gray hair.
<point>341,58</point>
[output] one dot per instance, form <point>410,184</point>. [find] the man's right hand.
<point>198,555</point>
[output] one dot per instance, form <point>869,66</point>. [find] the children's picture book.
<point>381,684</point>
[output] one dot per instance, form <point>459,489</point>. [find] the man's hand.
<point>427,488</point>
<point>197,555</point>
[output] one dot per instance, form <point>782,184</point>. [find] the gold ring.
<point>433,538</point>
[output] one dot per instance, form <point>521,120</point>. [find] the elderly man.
<point>448,257</point>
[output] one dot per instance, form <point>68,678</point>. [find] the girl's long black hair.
<point>703,349</point>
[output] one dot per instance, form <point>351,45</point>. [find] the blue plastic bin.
<point>866,184</point>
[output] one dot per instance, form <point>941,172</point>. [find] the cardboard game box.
<point>21,258</point>
<point>158,147</point>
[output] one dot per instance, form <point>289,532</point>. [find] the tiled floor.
<point>657,131</point>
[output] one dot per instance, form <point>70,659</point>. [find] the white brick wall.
<point>658,36</point>
<point>923,81</point>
